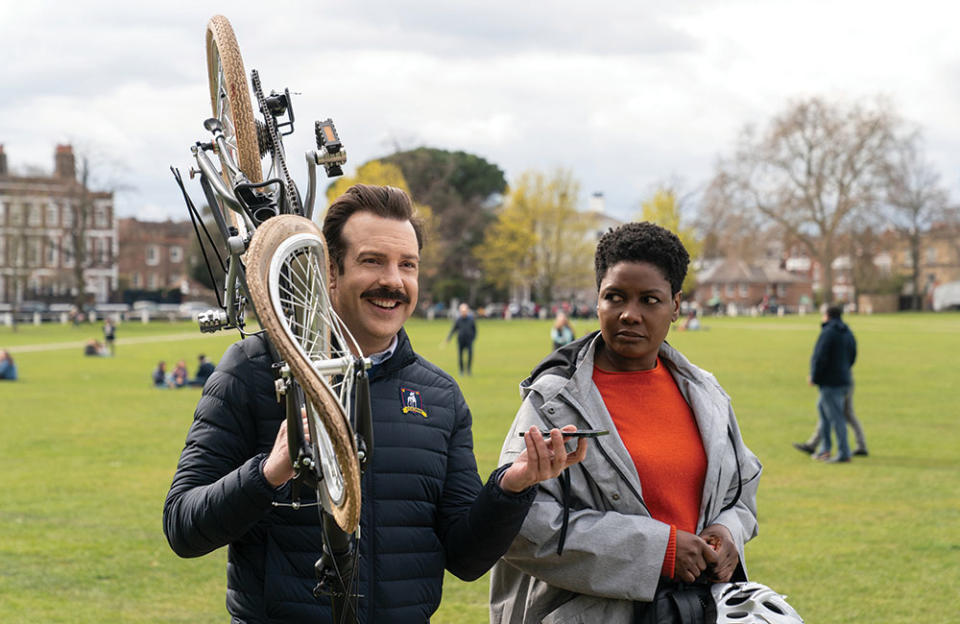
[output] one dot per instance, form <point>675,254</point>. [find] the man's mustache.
<point>386,293</point>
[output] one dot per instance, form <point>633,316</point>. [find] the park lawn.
<point>88,448</point>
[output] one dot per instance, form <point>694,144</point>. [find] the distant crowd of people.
<point>179,377</point>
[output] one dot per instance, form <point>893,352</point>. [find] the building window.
<point>781,290</point>
<point>715,290</point>
<point>176,254</point>
<point>100,216</point>
<point>52,213</point>
<point>136,281</point>
<point>744,289</point>
<point>67,216</point>
<point>152,281</point>
<point>105,251</point>
<point>34,216</point>
<point>729,290</point>
<point>153,255</point>
<point>67,246</point>
<point>3,217</point>
<point>51,252</point>
<point>932,255</point>
<point>33,252</point>
<point>16,214</point>
<point>3,254</point>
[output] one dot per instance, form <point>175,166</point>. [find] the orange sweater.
<point>660,433</point>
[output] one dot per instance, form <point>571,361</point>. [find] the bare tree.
<point>815,167</point>
<point>915,200</point>
<point>726,229</point>
<point>83,204</point>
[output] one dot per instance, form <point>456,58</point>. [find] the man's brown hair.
<point>383,201</point>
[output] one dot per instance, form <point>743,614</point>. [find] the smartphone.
<point>582,433</point>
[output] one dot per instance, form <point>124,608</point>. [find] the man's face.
<point>377,291</point>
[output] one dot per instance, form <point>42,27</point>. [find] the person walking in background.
<point>833,357</point>
<point>109,334</point>
<point>810,446</point>
<point>8,370</point>
<point>562,332</point>
<point>465,327</point>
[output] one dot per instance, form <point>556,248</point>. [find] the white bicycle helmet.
<point>751,603</point>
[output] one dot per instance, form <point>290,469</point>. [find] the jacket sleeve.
<point>853,349</point>
<point>606,553</point>
<point>475,524</point>
<point>740,517</point>
<point>218,491</point>
<point>819,358</point>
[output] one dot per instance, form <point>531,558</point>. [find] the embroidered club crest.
<point>411,401</point>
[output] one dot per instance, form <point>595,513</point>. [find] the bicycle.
<point>275,260</point>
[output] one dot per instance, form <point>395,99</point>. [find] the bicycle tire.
<point>228,84</point>
<point>296,245</point>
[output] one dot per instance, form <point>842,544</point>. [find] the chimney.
<point>64,165</point>
<point>598,204</point>
<point>3,161</point>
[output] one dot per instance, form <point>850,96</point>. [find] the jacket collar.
<point>402,356</point>
<point>567,376</point>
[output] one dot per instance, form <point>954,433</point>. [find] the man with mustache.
<point>424,507</point>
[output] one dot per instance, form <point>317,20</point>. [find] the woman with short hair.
<point>669,497</point>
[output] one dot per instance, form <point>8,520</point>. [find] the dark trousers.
<point>465,347</point>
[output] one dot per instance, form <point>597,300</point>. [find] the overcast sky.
<point>624,93</point>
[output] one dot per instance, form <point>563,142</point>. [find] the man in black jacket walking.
<point>424,507</point>
<point>465,327</point>
<point>833,357</point>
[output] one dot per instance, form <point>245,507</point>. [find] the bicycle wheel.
<point>230,98</point>
<point>287,270</point>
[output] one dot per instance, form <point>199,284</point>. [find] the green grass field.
<point>88,448</point>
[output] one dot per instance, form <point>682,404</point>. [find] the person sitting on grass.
<point>95,348</point>
<point>205,368</point>
<point>179,376</point>
<point>160,379</point>
<point>8,370</point>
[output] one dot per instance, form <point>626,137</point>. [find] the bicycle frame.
<point>228,191</point>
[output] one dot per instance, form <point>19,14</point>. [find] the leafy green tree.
<point>540,239</point>
<point>463,191</point>
<point>383,173</point>
<point>377,172</point>
<point>456,194</point>
<point>664,210</point>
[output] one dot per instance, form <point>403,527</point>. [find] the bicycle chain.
<point>276,147</point>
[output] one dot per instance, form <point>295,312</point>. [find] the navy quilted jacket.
<point>833,355</point>
<point>424,507</point>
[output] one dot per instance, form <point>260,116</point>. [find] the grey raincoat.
<point>613,550</point>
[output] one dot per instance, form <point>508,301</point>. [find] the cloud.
<point>623,94</point>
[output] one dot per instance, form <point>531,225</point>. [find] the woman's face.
<point>635,309</point>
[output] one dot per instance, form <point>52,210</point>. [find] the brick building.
<point>154,260</point>
<point>42,219</point>
<point>742,286</point>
